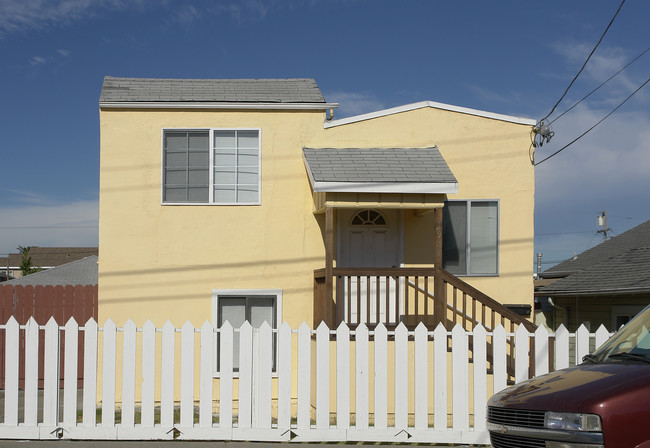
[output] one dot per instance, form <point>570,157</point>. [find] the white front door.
<point>369,239</point>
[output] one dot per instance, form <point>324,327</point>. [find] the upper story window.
<point>211,166</point>
<point>470,235</point>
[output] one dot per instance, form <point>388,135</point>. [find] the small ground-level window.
<point>239,306</point>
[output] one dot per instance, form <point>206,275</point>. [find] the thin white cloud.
<point>615,156</point>
<point>354,103</point>
<point>71,224</point>
<point>245,11</point>
<point>37,60</point>
<point>604,63</point>
<point>18,16</point>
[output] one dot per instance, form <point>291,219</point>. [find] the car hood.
<point>577,389</point>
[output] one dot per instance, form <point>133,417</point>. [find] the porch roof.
<point>379,170</point>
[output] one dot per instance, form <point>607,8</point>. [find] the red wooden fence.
<point>44,302</point>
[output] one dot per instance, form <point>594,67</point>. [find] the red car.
<point>603,402</point>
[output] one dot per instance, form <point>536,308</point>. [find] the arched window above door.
<point>368,218</point>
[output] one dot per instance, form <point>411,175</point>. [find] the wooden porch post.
<point>439,307</point>
<point>329,265</point>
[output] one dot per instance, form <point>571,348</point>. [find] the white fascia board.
<point>386,187</point>
<point>433,104</point>
<point>210,105</point>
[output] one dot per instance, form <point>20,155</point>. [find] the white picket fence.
<point>342,385</point>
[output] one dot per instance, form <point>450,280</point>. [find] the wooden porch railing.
<point>409,295</point>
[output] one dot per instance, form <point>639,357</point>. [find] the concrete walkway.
<point>180,444</point>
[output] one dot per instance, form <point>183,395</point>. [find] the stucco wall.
<point>161,262</point>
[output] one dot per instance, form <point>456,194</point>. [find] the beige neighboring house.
<point>43,258</point>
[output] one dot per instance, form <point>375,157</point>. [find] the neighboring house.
<point>61,292</point>
<point>79,272</point>
<point>243,199</point>
<point>605,285</point>
<point>43,258</point>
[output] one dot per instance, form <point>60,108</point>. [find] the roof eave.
<point>587,292</point>
<point>214,105</point>
<point>386,187</point>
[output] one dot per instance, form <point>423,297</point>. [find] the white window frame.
<point>468,242</point>
<point>251,294</point>
<point>211,167</point>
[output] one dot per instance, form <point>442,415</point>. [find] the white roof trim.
<point>214,105</point>
<point>386,187</point>
<point>433,104</point>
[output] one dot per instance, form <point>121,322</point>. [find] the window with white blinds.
<point>211,166</point>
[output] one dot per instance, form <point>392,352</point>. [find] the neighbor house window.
<point>470,235</point>
<point>211,166</point>
<point>239,306</point>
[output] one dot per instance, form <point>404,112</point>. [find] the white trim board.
<point>432,104</point>
<point>215,105</point>
<point>385,187</point>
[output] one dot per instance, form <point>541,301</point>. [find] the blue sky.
<point>508,57</point>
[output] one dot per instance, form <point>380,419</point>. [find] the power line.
<point>605,82</point>
<point>585,63</point>
<point>563,233</point>
<point>589,130</point>
<point>46,227</point>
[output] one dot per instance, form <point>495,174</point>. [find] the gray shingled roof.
<point>78,272</point>
<point>378,165</point>
<point>124,90</point>
<point>621,264</point>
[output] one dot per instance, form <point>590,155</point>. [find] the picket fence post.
<point>206,378</point>
<point>381,377</point>
<point>90,373</point>
<point>148,374</point>
<point>31,373</point>
<point>322,376</point>
<point>12,346</point>
<point>343,376</point>
<point>479,357</point>
<point>440,378</point>
<point>361,377</point>
<point>460,366</point>
<point>51,372</point>
<point>284,377</point>
<point>401,377</point>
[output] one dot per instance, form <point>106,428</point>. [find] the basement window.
<point>239,306</point>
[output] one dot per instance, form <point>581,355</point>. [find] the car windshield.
<point>632,342</point>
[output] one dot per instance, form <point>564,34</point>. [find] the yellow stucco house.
<point>247,200</point>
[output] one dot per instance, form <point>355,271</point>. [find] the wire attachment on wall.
<point>543,134</point>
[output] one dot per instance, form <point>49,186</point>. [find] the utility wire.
<point>605,82</point>
<point>588,130</point>
<point>46,227</point>
<point>585,64</point>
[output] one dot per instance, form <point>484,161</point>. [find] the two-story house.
<point>244,199</point>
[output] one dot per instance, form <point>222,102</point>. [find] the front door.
<point>369,239</point>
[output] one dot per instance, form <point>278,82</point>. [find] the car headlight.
<point>566,421</point>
